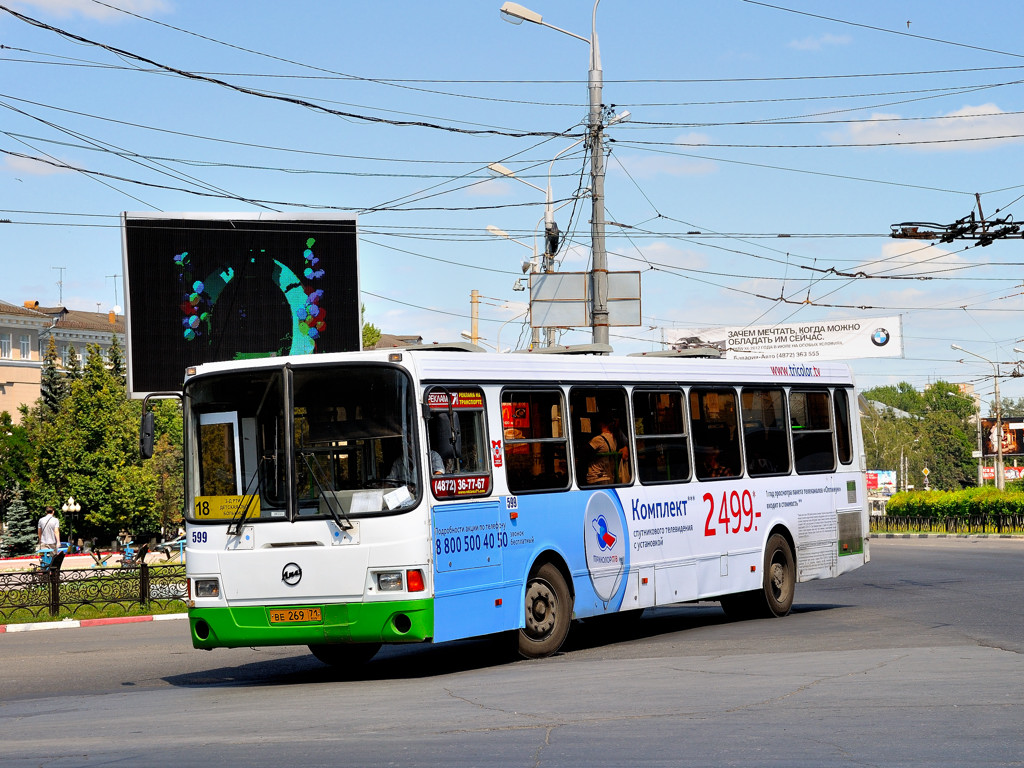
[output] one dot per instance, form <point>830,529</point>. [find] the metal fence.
<point>992,524</point>
<point>49,593</point>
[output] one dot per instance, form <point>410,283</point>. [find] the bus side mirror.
<point>146,435</point>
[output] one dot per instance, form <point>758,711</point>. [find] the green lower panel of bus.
<point>401,621</point>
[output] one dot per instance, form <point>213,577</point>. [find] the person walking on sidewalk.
<point>49,530</point>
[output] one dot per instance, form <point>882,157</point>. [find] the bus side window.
<point>765,432</point>
<point>811,424</point>
<point>715,430</point>
<point>662,452</point>
<point>444,452</point>
<point>536,455</point>
<point>601,445</point>
<point>844,440</point>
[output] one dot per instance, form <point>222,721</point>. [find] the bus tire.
<point>775,598</point>
<point>345,654</point>
<point>779,577</point>
<point>548,613</point>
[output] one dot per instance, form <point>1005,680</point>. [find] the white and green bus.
<point>342,501</point>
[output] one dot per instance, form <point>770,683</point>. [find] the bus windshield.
<point>345,435</point>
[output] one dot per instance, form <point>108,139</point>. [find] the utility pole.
<point>599,273</point>
<point>474,311</point>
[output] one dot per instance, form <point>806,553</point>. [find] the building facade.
<point>25,333</point>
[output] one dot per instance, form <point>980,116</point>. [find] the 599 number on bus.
<point>735,513</point>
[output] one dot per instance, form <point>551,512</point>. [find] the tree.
<point>15,456</point>
<point>73,366</point>
<point>22,535</point>
<point>90,451</point>
<point>902,396</point>
<point>1010,407</point>
<point>167,465</point>
<point>943,396</point>
<point>371,333</point>
<point>53,387</point>
<point>115,357</point>
<point>937,435</point>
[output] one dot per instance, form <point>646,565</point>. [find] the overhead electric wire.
<point>898,32</point>
<point>260,94</point>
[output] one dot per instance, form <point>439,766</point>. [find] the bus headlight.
<point>207,588</point>
<point>389,581</point>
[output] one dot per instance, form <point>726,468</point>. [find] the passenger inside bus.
<point>608,451</point>
<point>445,443</point>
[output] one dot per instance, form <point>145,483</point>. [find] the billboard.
<point>881,481</point>
<point>564,299</point>
<point>816,340</point>
<point>202,288</point>
<point>1013,437</point>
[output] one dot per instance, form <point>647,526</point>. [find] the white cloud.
<point>971,122</point>
<point>819,42</point>
<point>490,188</point>
<point>662,165</point>
<point>27,166</point>
<point>66,8</point>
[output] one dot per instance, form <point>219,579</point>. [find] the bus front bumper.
<point>403,621</point>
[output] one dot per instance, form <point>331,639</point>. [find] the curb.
<point>76,623</point>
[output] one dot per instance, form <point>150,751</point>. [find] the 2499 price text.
<point>735,513</point>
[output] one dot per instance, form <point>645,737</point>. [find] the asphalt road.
<point>915,659</point>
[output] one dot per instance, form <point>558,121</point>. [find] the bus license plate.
<point>294,615</point>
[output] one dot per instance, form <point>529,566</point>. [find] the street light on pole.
<point>517,14</point>
<point>71,507</point>
<point>1000,475</point>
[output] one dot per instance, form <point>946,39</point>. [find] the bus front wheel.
<point>345,654</point>
<point>548,613</point>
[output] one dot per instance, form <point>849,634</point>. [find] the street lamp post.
<point>1000,475</point>
<point>71,507</point>
<point>595,127</point>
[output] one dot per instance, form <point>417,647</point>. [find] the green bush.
<point>970,502</point>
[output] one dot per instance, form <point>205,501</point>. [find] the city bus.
<point>343,501</point>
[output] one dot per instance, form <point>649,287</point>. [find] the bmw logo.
<point>880,337</point>
<point>291,574</point>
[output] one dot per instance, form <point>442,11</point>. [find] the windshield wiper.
<point>235,528</point>
<point>341,520</point>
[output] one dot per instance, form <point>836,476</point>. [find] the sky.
<point>770,148</point>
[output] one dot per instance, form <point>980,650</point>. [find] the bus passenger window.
<point>662,453</point>
<point>600,424</point>
<point>536,455</point>
<point>457,443</point>
<point>811,423</point>
<point>844,440</point>
<point>715,429</point>
<point>765,431</point>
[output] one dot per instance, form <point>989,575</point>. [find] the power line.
<point>274,97</point>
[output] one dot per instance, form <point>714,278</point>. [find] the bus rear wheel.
<point>775,598</point>
<point>345,654</point>
<point>548,613</point>
<point>779,576</point>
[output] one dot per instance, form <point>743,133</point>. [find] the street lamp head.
<point>620,118</point>
<point>954,346</point>
<point>514,13</point>
<point>500,169</point>
<point>497,232</point>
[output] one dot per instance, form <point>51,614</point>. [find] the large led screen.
<point>213,287</point>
